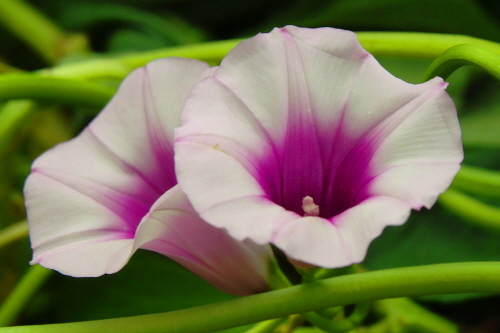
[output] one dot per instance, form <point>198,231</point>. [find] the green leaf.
<point>480,129</point>
<point>432,237</point>
<point>149,283</point>
<point>412,70</point>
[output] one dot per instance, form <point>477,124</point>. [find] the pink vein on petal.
<point>130,210</point>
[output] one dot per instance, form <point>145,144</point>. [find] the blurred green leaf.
<point>149,283</point>
<point>103,16</point>
<point>412,70</point>
<point>127,40</point>
<point>481,120</point>
<point>432,237</point>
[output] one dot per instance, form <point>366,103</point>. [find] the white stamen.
<point>309,207</point>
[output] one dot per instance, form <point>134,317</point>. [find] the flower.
<point>307,143</point>
<point>94,200</point>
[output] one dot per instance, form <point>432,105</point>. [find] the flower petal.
<point>420,150</point>
<point>314,240</point>
<point>93,191</point>
<point>174,229</point>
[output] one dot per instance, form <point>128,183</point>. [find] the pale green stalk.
<point>22,293</point>
<point>54,90</point>
<point>416,44</point>
<point>394,44</point>
<point>403,315</point>
<point>13,233</point>
<point>478,181</point>
<point>479,277</point>
<point>38,31</point>
<point>13,116</point>
<point>267,326</point>
<point>473,211</point>
<point>462,55</point>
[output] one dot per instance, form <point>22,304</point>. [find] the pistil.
<point>309,207</point>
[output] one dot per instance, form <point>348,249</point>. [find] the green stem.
<point>339,326</point>
<point>23,292</point>
<point>38,31</point>
<point>478,181</point>
<point>12,116</point>
<point>328,325</point>
<point>54,90</point>
<point>267,326</point>
<point>409,45</point>
<point>462,55</point>
<point>13,233</point>
<point>403,315</point>
<point>478,277</point>
<point>360,312</point>
<point>394,44</point>
<point>417,45</point>
<point>89,69</point>
<point>211,52</point>
<point>473,211</point>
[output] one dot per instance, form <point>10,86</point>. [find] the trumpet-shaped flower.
<point>304,141</point>
<point>94,200</point>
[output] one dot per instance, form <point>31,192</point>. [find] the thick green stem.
<point>13,233</point>
<point>395,44</point>
<point>462,55</point>
<point>209,52</point>
<point>478,181</point>
<point>38,31</point>
<point>473,211</point>
<point>23,292</point>
<point>89,69</point>
<point>416,44</point>
<point>479,277</point>
<point>54,90</point>
<point>408,45</point>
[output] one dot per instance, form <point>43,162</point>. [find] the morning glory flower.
<point>93,201</point>
<point>304,141</point>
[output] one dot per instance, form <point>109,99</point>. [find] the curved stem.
<point>13,232</point>
<point>417,45</point>
<point>396,44</point>
<point>478,181</point>
<point>210,52</point>
<point>479,277</point>
<point>38,32</point>
<point>56,90</point>
<point>474,211</point>
<point>24,290</point>
<point>461,55</point>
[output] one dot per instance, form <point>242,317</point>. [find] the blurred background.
<point>151,283</point>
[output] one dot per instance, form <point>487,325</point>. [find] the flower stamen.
<point>309,207</point>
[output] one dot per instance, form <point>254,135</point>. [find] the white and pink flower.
<point>93,201</point>
<point>302,140</point>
